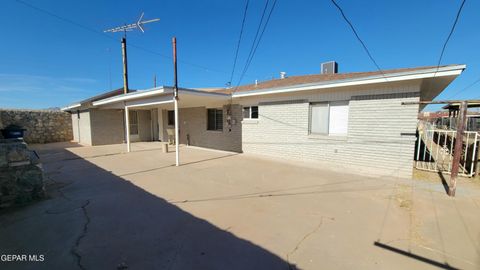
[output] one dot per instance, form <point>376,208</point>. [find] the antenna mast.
<point>127,28</point>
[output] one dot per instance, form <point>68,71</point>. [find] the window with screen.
<point>329,118</point>
<point>250,112</point>
<point>133,119</point>
<point>214,119</point>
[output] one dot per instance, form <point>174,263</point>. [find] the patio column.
<point>175,102</point>
<point>127,128</point>
<point>177,135</point>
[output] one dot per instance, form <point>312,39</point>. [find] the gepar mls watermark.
<point>22,258</point>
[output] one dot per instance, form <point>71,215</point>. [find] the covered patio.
<point>160,102</point>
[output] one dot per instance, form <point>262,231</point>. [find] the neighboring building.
<point>351,120</point>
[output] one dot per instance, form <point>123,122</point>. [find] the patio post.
<point>175,100</point>
<point>127,128</point>
<point>177,154</point>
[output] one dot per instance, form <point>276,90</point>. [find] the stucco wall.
<point>107,126</point>
<point>42,126</point>
<point>193,122</point>
<point>380,139</point>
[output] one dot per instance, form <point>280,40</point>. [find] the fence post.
<point>457,152</point>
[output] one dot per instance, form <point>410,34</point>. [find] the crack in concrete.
<point>74,250</point>
<point>289,254</point>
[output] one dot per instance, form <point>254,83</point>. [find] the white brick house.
<point>348,120</point>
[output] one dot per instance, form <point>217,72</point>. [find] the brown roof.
<point>314,78</point>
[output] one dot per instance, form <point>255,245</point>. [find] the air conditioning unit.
<point>329,67</point>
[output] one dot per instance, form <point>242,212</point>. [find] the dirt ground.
<point>108,209</point>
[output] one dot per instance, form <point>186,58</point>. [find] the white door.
<point>133,119</point>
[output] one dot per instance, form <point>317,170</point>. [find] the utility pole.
<point>175,101</point>
<point>125,69</point>
<point>457,152</point>
<point>154,80</point>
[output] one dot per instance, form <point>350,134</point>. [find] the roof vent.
<point>283,75</point>
<point>329,67</point>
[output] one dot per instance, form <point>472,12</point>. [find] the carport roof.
<point>156,92</point>
<point>100,96</point>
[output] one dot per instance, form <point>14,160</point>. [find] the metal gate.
<point>434,150</point>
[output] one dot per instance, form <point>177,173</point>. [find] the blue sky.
<point>47,62</point>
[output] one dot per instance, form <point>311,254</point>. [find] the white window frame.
<point>250,113</point>
<point>328,118</point>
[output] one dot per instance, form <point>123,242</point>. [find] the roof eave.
<point>156,91</point>
<point>129,96</point>
<point>70,107</point>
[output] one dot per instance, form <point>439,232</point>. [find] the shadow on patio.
<point>97,220</point>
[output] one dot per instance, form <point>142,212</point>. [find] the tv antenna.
<point>127,28</point>
<point>130,27</point>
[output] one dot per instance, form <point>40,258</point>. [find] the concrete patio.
<point>114,210</point>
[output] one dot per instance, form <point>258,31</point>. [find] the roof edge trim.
<point>393,77</point>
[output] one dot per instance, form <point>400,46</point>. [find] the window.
<point>171,118</point>
<point>250,112</point>
<point>329,118</point>
<point>214,119</point>
<point>133,119</point>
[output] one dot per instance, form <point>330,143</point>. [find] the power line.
<point>449,35</point>
<point>261,35</point>
<point>89,29</point>
<point>257,32</point>
<point>256,42</point>
<point>465,88</point>
<point>357,36</point>
<point>239,41</point>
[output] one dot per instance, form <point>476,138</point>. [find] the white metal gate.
<point>434,150</point>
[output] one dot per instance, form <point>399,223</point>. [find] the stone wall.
<point>21,175</point>
<point>42,126</point>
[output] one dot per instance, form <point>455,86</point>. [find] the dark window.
<point>250,112</point>
<point>254,113</point>
<point>214,119</point>
<point>171,118</point>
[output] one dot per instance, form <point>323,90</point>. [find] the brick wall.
<point>42,126</point>
<point>193,121</point>
<point>380,139</point>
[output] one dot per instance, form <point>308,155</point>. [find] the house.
<point>346,120</point>
<point>93,127</point>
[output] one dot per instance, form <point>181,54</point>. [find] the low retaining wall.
<point>21,175</point>
<point>42,126</point>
